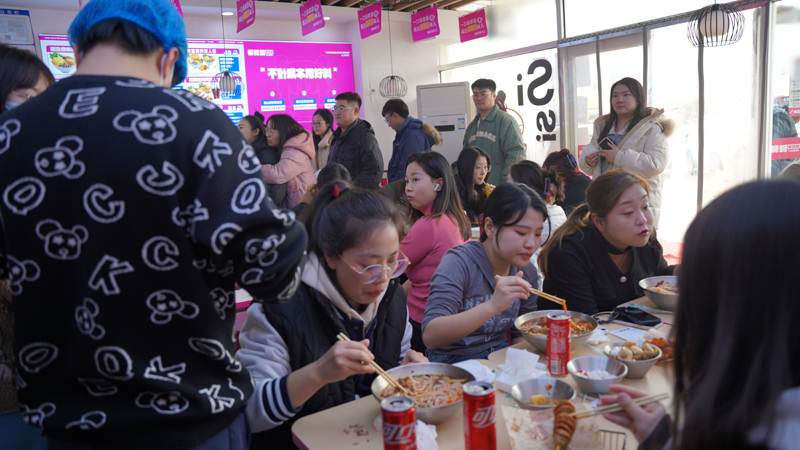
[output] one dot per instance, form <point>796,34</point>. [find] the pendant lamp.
<point>392,86</point>
<point>715,26</point>
<point>225,84</point>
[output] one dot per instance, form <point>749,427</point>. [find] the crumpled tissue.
<point>478,370</point>
<point>520,365</point>
<point>426,434</point>
<point>597,336</point>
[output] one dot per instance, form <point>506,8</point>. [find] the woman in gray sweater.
<point>469,313</point>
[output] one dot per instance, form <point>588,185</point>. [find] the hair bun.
<point>259,116</point>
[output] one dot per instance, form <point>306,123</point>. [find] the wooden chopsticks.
<point>383,373</point>
<point>545,296</point>
<point>614,408</point>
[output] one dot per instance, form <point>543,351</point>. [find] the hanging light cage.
<point>393,86</point>
<point>226,85</point>
<point>715,26</point>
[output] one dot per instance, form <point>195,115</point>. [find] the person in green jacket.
<point>494,131</point>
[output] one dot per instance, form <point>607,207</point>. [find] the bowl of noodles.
<point>533,327</point>
<point>436,388</point>
<point>663,291</point>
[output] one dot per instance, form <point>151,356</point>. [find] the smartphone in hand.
<point>605,144</point>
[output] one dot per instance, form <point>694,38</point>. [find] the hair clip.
<point>480,223</point>
<point>337,191</point>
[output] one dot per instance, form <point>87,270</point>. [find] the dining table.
<point>351,425</point>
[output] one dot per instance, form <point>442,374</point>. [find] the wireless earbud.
<point>436,188</point>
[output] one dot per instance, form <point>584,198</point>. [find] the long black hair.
<point>327,117</point>
<point>447,200</point>
<point>19,69</point>
<point>473,196</point>
<point>286,127</point>
<point>507,204</point>
<point>736,322</point>
<point>256,122</point>
<point>335,224</point>
<point>535,177</point>
<point>637,90</point>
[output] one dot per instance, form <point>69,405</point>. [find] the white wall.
<point>416,62</point>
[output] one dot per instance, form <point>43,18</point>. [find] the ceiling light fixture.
<point>227,13</point>
<point>327,18</point>
<point>392,86</point>
<point>226,84</point>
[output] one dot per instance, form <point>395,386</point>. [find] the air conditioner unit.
<point>448,107</point>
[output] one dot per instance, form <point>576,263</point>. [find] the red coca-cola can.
<point>558,344</point>
<point>399,421</point>
<point>479,428</point>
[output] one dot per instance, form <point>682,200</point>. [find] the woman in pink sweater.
<point>438,223</point>
<point>296,147</point>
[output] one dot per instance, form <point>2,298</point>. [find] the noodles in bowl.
<point>429,390</point>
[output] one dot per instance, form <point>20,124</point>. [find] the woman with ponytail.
<point>597,258</point>
<point>549,186</point>
<point>348,285</point>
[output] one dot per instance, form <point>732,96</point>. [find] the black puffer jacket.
<point>357,149</point>
<point>269,155</point>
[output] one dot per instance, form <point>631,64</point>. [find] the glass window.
<point>512,24</point>
<point>588,16</point>
<point>620,57</point>
<point>530,82</point>
<point>580,93</point>
<point>785,99</point>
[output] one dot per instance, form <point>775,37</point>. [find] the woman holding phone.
<point>631,137</point>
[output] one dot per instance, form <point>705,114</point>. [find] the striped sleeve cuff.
<point>276,400</point>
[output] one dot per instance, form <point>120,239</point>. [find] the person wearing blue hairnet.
<point>126,223</point>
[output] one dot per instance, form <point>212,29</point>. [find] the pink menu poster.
<point>473,26</point>
<point>296,78</point>
<point>177,5</point>
<point>369,20</point>
<point>425,24</point>
<point>245,14</point>
<point>311,18</point>
<point>57,55</point>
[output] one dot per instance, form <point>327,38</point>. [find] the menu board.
<point>294,78</point>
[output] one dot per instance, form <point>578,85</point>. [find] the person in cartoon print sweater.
<point>127,223</point>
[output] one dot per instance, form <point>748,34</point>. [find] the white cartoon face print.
<point>265,251</point>
<point>36,356</point>
<point>170,402</point>
<point>254,275</point>
<point>24,195</point>
<point>21,271</point>
<point>61,159</point>
<point>247,160</point>
<point>153,128</point>
<point>187,217</point>
<point>89,421</point>
<point>9,128</point>
<point>248,196</point>
<point>291,288</point>
<point>191,101</point>
<point>222,301</point>
<point>166,303</point>
<point>164,183</point>
<point>286,216</point>
<point>60,243</point>
<point>36,416</point>
<point>85,318</point>
<point>100,206</point>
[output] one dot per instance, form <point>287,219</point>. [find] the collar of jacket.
<point>490,117</point>
<point>339,134</point>
<point>606,246</point>
<point>325,141</point>
<point>653,114</point>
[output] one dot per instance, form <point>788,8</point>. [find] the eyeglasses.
<point>22,94</point>
<point>486,169</point>
<point>370,274</point>
<point>317,124</point>
<point>336,109</point>
<point>269,131</point>
<point>480,94</point>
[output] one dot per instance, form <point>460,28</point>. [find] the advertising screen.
<point>294,78</point>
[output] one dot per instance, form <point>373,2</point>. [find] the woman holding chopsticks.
<point>293,350</point>
<point>597,258</point>
<point>469,312</point>
<point>737,369</point>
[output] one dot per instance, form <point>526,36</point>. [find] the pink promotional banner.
<point>369,20</point>
<point>425,24</point>
<point>177,5</point>
<point>245,13</point>
<point>311,18</point>
<point>473,26</point>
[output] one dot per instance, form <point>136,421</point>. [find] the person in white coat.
<point>632,137</point>
<point>549,186</point>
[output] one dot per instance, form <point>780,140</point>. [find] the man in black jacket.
<point>354,145</point>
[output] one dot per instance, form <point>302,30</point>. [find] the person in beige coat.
<point>632,137</point>
<point>322,124</point>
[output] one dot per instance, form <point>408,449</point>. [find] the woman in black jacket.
<point>252,128</point>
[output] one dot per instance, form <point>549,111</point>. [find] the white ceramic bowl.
<point>589,363</point>
<point>636,369</point>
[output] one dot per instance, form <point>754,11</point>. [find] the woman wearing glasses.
<point>322,124</point>
<point>347,286</point>
<point>472,169</point>
<point>469,312</point>
<point>296,149</point>
<point>253,131</point>
<point>438,224</point>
